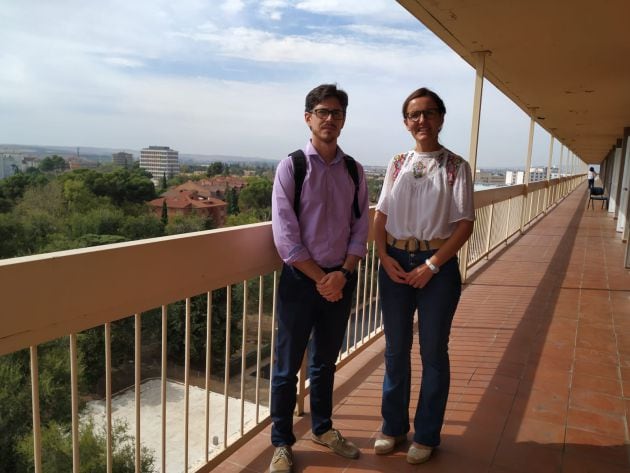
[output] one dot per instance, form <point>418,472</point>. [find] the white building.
<point>160,161</point>
<point>535,175</point>
<point>8,165</point>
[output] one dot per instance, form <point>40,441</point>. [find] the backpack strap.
<point>299,173</point>
<point>351,166</point>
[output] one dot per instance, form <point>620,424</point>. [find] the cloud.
<point>123,62</point>
<point>273,9</point>
<point>377,10</point>
<point>230,77</point>
<point>232,7</point>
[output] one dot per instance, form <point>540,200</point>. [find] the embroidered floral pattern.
<point>399,160</point>
<point>446,159</point>
<point>419,169</point>
<point>453,163</point>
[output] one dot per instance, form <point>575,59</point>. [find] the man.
<point>321,240</point>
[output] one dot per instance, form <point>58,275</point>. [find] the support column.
<point>549,164</point>
<point>624,195</point>
<point>528,165</point>
<point>562,193</point>
<point>615,183</point>
<point>480,56</point>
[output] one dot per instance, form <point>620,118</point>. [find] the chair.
<point>597,193</point>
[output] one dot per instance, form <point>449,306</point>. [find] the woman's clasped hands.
<point>418,277</point>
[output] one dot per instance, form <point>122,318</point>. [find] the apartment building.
<point>160,161</point>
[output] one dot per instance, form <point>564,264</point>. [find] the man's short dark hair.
<point>424,92</point>
<point>321,93</point>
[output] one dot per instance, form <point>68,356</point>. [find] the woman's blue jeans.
<point>436,304</point>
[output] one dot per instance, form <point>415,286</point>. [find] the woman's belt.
<point>413,244</point>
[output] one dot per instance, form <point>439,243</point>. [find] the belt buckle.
<point>412,242</point>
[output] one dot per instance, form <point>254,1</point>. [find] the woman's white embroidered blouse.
<point>424,195</point>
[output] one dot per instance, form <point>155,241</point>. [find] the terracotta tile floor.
<point>540,353</point>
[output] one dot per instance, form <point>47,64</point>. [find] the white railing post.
<point>108,397</point>
<point>37,434</point>
<point>138,381</point>
<point>163,379</point>
<point>186,380</point>
<point>74,386</point>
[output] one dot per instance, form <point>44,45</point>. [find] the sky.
<point>230,76</point>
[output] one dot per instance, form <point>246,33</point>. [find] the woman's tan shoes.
<point>385,444</point>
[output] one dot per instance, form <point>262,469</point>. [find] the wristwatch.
<point>345,272</point>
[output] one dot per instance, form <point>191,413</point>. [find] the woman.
<point>591,177</point>
<point>424,215</point>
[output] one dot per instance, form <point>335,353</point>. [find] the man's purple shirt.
<point>327,230</point>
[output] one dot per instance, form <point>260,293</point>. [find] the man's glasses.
<point>429,114</point>
<point>324,113</point>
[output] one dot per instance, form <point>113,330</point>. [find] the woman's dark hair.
<point>592,169</point>
<point>322,92</point>
<point>424,92</point>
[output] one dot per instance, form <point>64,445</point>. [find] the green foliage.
<point>245,218</point>
<point>163,183</point>
<point>57,450</point>
<point>12,240</point>
<point>141,226</point>
<point>231,198</point>
<point>198,323</point>
<point>234,169</point>
<point>15,395</point>
<point>374,185</point>
<point>12,188</point>
<point>216,168</point>
<point>185,224</point>
<point>53,164</point>
<point>256,195</point>
<point>77,209</point>
<point>164,218</point>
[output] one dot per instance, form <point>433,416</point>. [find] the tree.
<point>13,187</point>
<point>164,184</point>
<point>256,195</point>
<point>185,224</point>
<point>198,321</point>
<point>11,236</point>
<point>164,217</point>
<point>15,395</point>
<point>214,169</point>
<point>231,198</point>
<point>57,450</point>
<point>245,218</point>
<point>53,164</point>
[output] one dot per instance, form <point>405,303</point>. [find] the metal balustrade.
<point>219,282</point>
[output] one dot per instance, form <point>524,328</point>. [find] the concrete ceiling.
<point>570,59</point>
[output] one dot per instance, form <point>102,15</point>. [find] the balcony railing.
<point>197,396</point>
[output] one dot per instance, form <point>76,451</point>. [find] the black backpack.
<point>299,171</point>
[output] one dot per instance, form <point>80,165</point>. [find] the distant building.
<point>160,161</point>
<point>490,178</point>
<point>122,159</point>
<point>29,162</point>
<point>535,175</point>
<point>215,187</point>
<point>79,163</point>
<point>186,202</point>
<point>8,165</point>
